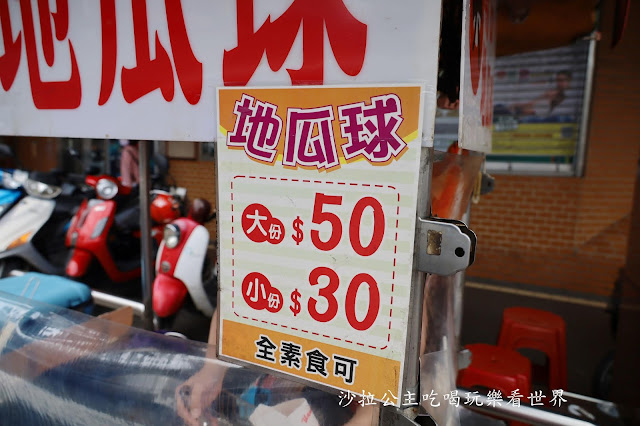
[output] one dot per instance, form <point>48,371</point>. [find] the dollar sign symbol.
<point>295,305</point>
<point>298,236</point>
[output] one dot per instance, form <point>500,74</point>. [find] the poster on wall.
<point>538,106</point>
<point>538,100</point>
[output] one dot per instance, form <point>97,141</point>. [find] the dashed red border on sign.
<point>233,262</point>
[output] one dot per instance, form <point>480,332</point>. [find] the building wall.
<point>42,154</point>
<point>199,179</point>
<point>571,233</point>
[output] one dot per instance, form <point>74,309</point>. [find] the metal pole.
<point>107,158</point>
<point>414,347</point>
<point>115,302</point>
<point>458,292</point>
<point>85,154</point>
<point>389,414</point>
<point>145,234</point>
<point>586,110</point>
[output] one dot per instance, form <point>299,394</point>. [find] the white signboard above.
<point>149,69</point>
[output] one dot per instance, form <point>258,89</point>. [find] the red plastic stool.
<point>497,368</point>
<point>539,330</point>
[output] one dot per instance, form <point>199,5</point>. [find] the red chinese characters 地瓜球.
<point>370,130</point>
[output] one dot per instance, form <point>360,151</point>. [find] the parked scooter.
<point>11,182</point>
<point>183,267</point>
<point>32,232</point>
<point>105,232</point>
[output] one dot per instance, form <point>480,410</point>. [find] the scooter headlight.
<point>41,189</point>
<point>106,189</point>
<point>171,236</point>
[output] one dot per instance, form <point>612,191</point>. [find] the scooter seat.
<point>50,289</point>
<point>127,264</point>
<point>128,219</point>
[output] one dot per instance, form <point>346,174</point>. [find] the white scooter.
<point>32,232</point>
<point>183,267</point>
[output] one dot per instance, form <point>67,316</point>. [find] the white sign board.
<point>149,69</point>
<point>317,190</point>
<point>476,74</point>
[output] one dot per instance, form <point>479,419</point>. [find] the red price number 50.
<point>320,216</point>
<point>328,291</point>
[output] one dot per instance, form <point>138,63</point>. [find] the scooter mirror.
<point>161,164</point>
<point>6,151</point>
<point>200,210</point>
<point>73,153</point>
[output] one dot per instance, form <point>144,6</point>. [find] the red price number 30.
<point>327,292</point>
<point>350,303</point>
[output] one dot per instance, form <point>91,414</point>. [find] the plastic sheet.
<point>61,367</point>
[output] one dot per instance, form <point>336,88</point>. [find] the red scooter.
<point>183,267</point>
<point>107,229</point>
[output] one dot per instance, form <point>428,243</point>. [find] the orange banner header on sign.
<point>320,128</point>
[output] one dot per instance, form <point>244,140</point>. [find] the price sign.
<point>317,195</point>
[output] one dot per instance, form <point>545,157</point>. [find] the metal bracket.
<point>393,416</point>
<point>445,246</point>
